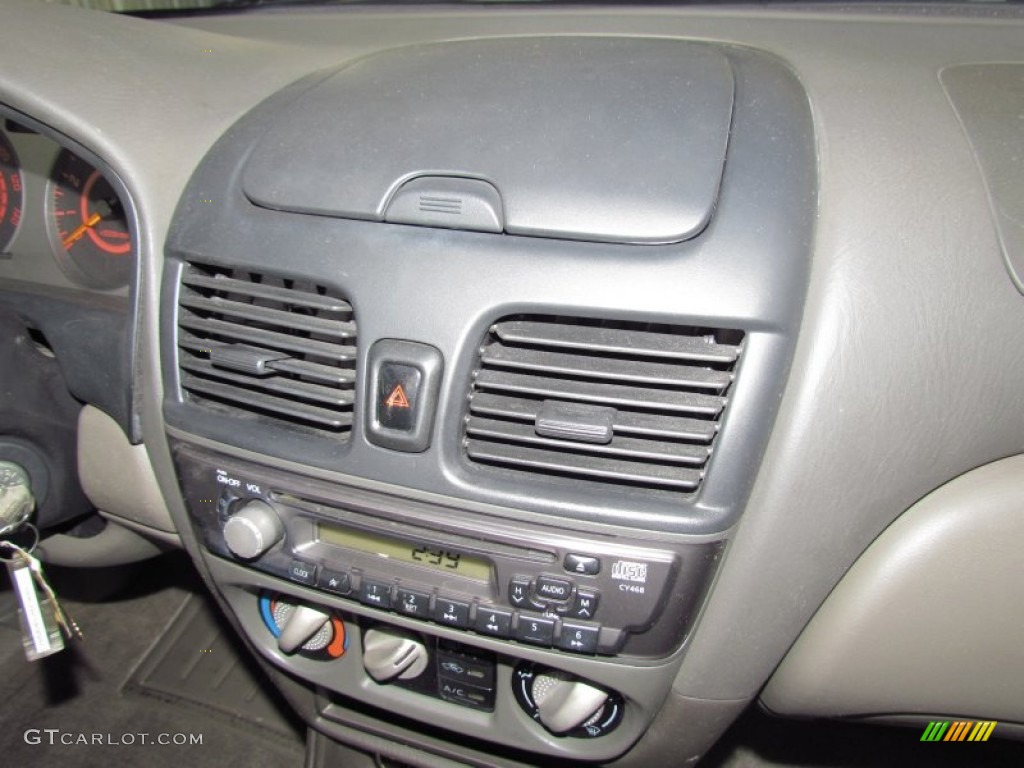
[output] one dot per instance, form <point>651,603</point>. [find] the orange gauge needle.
<point>80,230</point>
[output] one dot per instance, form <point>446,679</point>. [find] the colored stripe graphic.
<point>983,730</point>
<point>959,730</point>
<point>934,731</point>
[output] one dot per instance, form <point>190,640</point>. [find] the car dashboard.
<point>537,385</point>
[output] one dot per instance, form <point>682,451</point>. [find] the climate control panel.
<point>563,704</point>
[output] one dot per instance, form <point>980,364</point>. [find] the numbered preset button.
<point>493,621</point>
<point>413,603</point>
<point>579,638</point>
<point>536,630</point>
<point>453,613</point>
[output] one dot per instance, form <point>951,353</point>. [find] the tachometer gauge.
<point>10,192</point>
<point>88,225</point>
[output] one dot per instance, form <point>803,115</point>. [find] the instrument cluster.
<point>62,220</point>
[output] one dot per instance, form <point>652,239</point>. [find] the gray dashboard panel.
<point>990,101</point>
<point>908,366</point>
<point>928,619</point>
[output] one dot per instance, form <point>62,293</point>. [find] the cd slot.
<point>420,534</point>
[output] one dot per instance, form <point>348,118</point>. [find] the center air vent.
<point>267,348</point>
<point>629,404</point>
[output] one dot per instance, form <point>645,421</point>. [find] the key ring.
<point>15,548</point>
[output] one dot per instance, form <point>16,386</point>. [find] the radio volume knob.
<point>252,530</point>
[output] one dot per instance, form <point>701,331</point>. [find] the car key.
<point>16,500</point>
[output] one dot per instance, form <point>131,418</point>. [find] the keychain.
<point>44,624</point>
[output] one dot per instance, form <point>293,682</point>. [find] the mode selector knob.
<point>252,530</point>
<point>565,704</point>
<point>392,654</point>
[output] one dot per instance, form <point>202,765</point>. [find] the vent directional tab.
<point>267,348</point>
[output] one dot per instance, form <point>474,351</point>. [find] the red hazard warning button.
<point>397,398</point>
<point>401,394</point>
<point>398,386</point>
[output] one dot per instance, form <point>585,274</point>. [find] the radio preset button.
<point>579,638</point>
<point>551,588</point>
<point>585,565</point>
<point>338,582</point>
<point>451,612</point>
<point>302,572</point>
<point>493,621</point>
<point>535,629</point>
<point>413,603</point>
<point>584,606</point>
<point>375,593</point>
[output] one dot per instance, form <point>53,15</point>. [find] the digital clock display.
<point>434,557</point>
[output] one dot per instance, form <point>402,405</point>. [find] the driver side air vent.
<point>590,402</point>
<point>268,348</point>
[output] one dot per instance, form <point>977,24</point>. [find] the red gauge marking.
<point>116,249</point>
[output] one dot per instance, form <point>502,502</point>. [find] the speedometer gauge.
<point>10,192</point>
<point>88,225</point>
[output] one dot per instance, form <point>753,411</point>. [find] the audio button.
<point>553,589</point>
<point>337,582</point>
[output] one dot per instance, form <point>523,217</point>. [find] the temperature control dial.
<point>310,630</point>
<point>252,530</point>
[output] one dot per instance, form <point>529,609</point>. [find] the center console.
<point>471,351</point>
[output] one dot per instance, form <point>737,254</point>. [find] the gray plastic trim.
<point>86,326</point>
<point>114,545</point>
<point>928,620</point>
<point>746,271</point>
<point>116,475</point>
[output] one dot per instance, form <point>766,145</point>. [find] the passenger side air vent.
<point>628,404</point>
<point>267,348</point>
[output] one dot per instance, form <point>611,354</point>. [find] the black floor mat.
<point>76,709</point>
<point>196,662</point>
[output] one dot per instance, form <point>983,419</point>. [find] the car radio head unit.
<point>536,585</point>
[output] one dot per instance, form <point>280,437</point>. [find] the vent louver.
<point>269,348</point>
<point>629,404</point>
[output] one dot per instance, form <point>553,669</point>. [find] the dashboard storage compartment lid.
<point>603,139</point>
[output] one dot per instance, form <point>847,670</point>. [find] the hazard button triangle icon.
<point>397,398</point>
